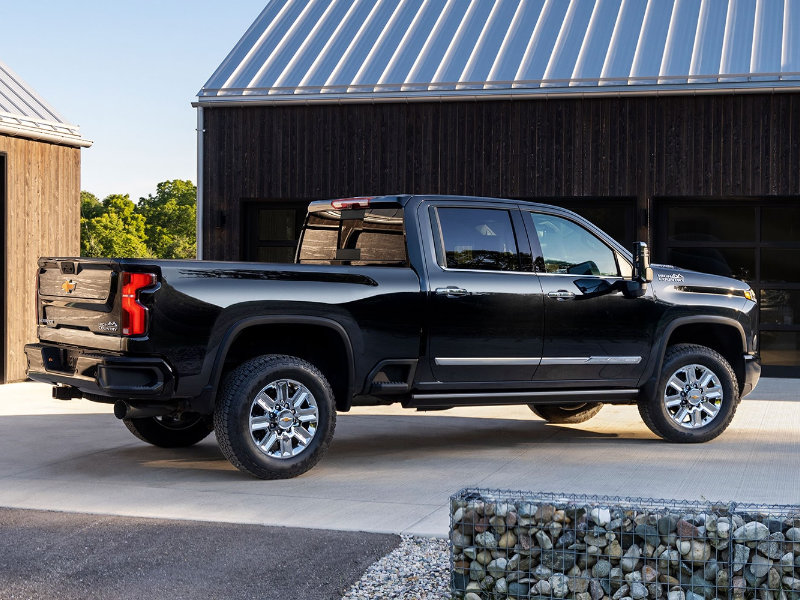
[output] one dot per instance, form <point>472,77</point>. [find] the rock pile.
<point>546,550</point>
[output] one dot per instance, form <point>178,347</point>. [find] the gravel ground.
<point>418,569</point>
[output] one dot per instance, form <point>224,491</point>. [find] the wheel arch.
<point>723,334</point>
<point>333,355</point>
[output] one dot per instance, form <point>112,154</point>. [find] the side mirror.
<point>641,263</point>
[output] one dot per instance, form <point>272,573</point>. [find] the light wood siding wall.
<point>42,219</point>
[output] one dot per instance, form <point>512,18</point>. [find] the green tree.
<point>170,230</point>
<point>91,207</point>
<point>116,229</point>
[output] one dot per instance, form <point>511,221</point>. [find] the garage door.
<point>271,230</point>
<point>757,241</point>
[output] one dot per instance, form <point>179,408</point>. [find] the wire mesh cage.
<point>545,546</point>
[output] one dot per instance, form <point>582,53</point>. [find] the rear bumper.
<point>98,374</point>
<point>752,373</point>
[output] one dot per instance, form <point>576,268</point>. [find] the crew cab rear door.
<point>485,309</point>
<point>592,331</point>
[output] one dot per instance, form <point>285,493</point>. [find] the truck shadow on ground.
<point>98,447</point>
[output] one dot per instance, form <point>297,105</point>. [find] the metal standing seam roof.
<point>368,50</point>
<point>24,113</point>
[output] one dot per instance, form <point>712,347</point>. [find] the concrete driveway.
<point>389,470</point>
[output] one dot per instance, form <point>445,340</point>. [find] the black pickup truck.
<point>429,301</point>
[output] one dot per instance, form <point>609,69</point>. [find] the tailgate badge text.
<point>110,326</point>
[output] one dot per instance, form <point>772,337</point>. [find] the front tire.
<point>696,397</point>
<point>566,414</point>
<point>171,432</point>
<point>275,417</point>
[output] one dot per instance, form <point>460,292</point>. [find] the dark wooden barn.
<point>40,164</point>
<point>652,121</point>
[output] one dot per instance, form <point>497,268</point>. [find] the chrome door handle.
<point>451,292</point>
<point>561,294</point>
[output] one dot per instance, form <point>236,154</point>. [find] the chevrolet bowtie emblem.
<point>69,286</point>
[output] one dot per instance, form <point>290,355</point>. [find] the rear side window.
<point>369,237</point>
<point>478,238</point>
<point>569,248</point>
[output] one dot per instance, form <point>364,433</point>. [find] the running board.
<point>618,396</point>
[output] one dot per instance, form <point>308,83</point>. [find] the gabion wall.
<point>520,545</point>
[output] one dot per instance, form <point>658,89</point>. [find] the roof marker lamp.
<point>352,203</point>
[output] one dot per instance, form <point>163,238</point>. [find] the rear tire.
<point>566,414</point>
<point>696,397</point>
<point>171,432</point>
<point>275,417</point>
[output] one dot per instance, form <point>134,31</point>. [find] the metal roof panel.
<point>362,49</point>
<point>24,113</point>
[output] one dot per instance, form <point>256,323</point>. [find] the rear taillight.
<point>134,315</point>
<point>351,203</point>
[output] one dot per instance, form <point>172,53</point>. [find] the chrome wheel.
<point>693,396</point>
<point>283,418</point>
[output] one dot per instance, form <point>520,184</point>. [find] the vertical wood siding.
<point>42,219</point>
<point>643,147</point>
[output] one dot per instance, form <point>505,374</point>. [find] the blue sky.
<point>126,73</point>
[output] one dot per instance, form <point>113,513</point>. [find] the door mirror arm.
<point>641,263</point>
<point>642,273</point>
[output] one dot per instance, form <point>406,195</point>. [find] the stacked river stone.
<point>597,549</point>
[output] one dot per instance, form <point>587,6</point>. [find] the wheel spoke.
<point>711,409</point>
<point>673,403</point>
<point>714,395</point>
<point>299,397</point>
<point>259,423</point>
<point>676,383</point>
<point>706,379</point>
<point>306,415</point>
<point>264,401</point>
<point>286,445</point>
<point>303,435</point>
<point>681,414</point>
<point>691,378</point>
<point>697,419</point>
<point>282,389</point>
<point>269,442</point>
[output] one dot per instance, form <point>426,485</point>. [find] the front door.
<point>592,331</point>
<point>486,303</point>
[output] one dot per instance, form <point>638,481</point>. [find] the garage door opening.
<point>271,230</point>
<point>757,241</point>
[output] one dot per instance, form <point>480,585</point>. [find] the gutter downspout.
<point>199,217</point>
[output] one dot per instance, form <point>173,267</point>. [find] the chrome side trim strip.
<point>545,361</point>
<point>483,362</point>
<point>591,360</point>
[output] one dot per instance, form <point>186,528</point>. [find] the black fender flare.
<point>234,330</point>
<point>649,379</point>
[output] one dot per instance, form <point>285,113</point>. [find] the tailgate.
<point>79,295</point>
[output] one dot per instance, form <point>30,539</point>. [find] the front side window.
<point>570,249</point>
<point>478,238</point>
